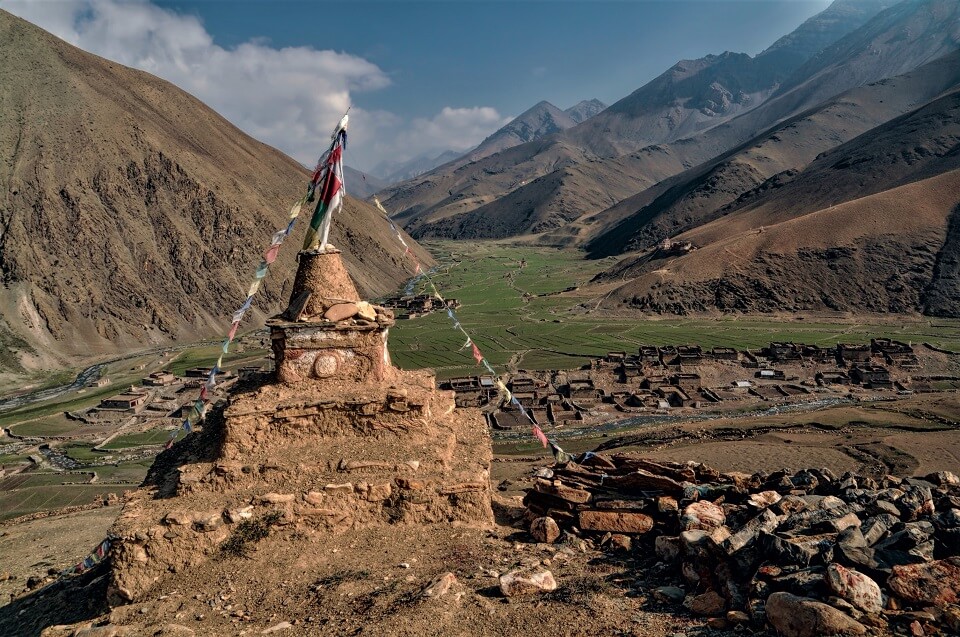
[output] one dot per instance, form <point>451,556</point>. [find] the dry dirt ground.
<point>370,582</point>
<point>30,548</point>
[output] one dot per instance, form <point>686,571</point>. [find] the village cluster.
<point>415,306</point>
<point>162,398</point>
<point>662,379</point>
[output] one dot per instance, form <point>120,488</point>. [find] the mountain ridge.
<point>833,237</point>
<point>133,216</point>
<point>493,187</point>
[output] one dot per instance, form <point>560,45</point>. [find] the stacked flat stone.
<point>807,552</point>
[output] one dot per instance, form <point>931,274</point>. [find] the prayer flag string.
<point>327,169</point>
<point>421,274</point>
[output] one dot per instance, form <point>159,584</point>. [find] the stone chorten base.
<point>332,446</point>
<point>367,456</point>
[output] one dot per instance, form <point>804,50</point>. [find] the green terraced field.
<point>49,426</point>
<point>206,356</point>
<point>22,501</point>
<point>561,331</point>
<point>151,437</point>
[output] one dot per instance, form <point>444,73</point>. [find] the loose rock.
<point>702,515</point>
<point>520,582</point>
<point>855,587</point>
<point>936,583</point>
<point>804,617</point>
<point>441,586</point>
<point>545,530</point>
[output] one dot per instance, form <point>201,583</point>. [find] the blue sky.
<point>422,76</point>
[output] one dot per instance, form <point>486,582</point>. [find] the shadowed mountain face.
<point>709,191</point>
<point>131,214</point>
<point>691,97</point>
<point>869,225</point>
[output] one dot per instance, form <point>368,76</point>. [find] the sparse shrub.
<point>249,531</point>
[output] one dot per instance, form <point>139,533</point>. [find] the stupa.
<point>339,440</point>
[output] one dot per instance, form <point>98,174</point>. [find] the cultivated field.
<point>517,310</point>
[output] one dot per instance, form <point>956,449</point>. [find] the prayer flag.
<point>271,254</point>
<point>233,330</point>
<point>476,353</point>
<point>331,190</point>
<point>261,270</point>
<point>540,436</point>
<point>254,287</point>
<point>507,396</point>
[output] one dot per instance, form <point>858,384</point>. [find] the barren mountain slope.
<point>360,184</point>
<point>584,110</point>
<point>132,214</point>
<point>542,119</point>
<point>692,96</point>
<point>870,225</point>
<point>703,193</point>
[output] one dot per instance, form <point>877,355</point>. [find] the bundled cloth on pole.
<point>328,177</point>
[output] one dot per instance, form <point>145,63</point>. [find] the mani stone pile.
<point>807,553</point>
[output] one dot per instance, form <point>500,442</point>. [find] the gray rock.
<point>876,528</point>
<point>943,478</point>
<point>917,500</point>
<point>669,594</point>
<point>808,582</point>
<point>667,547</point>
<point>765,522</point>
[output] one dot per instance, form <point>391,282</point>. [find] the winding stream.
<point>89,374</point>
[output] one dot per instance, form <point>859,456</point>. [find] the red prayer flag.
<point>540,436</point>
<point>476,353</point>
<point>271,254</point>
<point>233,330</point>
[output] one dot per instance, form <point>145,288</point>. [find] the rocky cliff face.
<point>131,214</point>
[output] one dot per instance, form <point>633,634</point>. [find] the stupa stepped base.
<point>310,462</point>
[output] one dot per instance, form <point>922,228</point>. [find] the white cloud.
<point>458,129</point>
<point>288,97</point>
